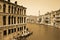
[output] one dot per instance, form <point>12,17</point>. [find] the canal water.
<point>43,32</point>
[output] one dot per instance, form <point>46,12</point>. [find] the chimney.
<point>16,2</point>
<point>8,0</point>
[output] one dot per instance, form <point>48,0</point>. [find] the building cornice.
<point>12,4</point>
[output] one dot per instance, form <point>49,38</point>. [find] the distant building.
<point>47,18</point>
<point>53,18</point>
<point>50,18</point>
<point>40,19</point>
<point>31,19</point>
<point>57,18</point>
<point>12,20</point>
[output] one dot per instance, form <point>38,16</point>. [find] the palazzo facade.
<point>12,20</point>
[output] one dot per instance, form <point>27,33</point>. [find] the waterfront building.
<point>47,18</point>
<point>53,18</point>
<point>40,19</point>
<point>12,20</point>
<point>31,19</point>
<point>50,18</point>
<point>57,18</point>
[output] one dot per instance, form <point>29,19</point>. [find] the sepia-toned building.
<point>47,18</point>
<point>50,18</point>
<point>12,20</point>
<point>57,18</point>
<point>40,19</point>
<point>53,18</point>
<point>31,19</point>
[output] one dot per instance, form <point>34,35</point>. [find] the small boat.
<point>23,36</point>
<point>26,34</point>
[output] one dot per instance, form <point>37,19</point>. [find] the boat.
<point>26,34</point>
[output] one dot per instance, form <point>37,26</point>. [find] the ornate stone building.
<point>57,18</point>
<point>47,18</point>
<point>12,20</point>
<point>40,19</point>
<point>51,18</point>
<point>31,19</point>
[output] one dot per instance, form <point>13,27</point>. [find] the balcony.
<point>57,19</point>
<point>57,15</point>
<point>47,19</point>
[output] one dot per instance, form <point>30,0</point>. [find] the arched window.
<point>12,19</point>
<point>18,19</point>
<point>24,27</point>
<point>18,11</point>
<point>12,9</point>
<point>4,20</point>
<point>5,32</point>
<point>4,8</point>
<point>24,12</point>
<point>24,19</point>
<point>9,9</point>
<point>9,20</point>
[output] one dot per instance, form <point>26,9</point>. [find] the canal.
<point>43,32</point>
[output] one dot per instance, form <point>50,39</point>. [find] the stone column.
<point>19,20</point>
<point>6,20</point>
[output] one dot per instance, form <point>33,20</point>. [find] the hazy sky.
<point>33,6</point>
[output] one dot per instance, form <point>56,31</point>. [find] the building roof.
<point>58,10</point>
<point>48,13</point>
<point>12,4</point>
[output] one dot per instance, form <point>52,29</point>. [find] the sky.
<point>34,6</point>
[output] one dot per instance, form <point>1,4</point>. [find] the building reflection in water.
<point>43,32</point>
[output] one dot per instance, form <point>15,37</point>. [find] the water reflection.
<point>23,39</point>
<point>44,32</point>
